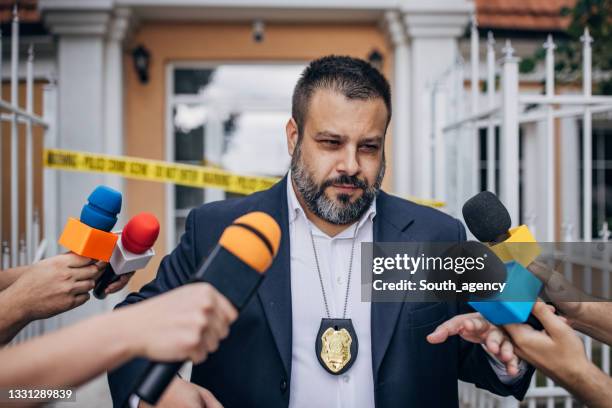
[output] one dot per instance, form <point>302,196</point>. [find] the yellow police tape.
<point>165,172</point>
<point>156,170</point>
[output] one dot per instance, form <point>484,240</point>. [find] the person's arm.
<point>183,324</point>
<point>595,320</point>
<point>13,317</point>
<point>8,276</point>
<point>44,289</point>
<point>175,270</point>
<point>592,386</point>
<point>559,353</point>
<point>583,311</point>
<point>68,357</point>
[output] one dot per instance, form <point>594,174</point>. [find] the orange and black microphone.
<point>235,268</point>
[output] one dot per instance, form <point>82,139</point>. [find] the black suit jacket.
<point>252,367</point>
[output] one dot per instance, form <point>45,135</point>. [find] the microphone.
<point>236,268</point>
<point>488,219</point>
<point>133,250</point>
<point>90,236</point>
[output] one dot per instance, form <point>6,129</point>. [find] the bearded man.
<point>307,339</point>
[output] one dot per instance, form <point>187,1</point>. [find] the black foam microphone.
<point>486,217</point>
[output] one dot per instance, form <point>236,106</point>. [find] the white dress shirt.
<point>311,384</point>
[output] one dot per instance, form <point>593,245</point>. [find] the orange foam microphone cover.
<point>254,238</point>
<point>86,241</point>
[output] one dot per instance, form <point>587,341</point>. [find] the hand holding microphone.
<point>559,353</point>
<point>185,323</point>
<point>489,221</point>
<point>90,236</point>
<point>235,268</point>
<point>61,283</point>
<point>133,251</point>
<point>46,288</point>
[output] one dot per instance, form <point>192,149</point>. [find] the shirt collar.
<point>295,210</point>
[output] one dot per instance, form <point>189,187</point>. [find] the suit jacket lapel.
<point>275,291</point>
<point>389,226</point>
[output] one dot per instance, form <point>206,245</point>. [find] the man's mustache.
<point>353,181</point>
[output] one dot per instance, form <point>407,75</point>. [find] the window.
<point>230,116</point>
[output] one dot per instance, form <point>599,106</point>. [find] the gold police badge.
<point>336,349</point>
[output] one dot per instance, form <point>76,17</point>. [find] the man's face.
<point>338,164</point>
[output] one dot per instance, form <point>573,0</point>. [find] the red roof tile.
<point>541,15</point>
<point>505,14</point>
<point>27,11</point>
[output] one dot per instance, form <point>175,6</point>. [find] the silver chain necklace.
<point>348,283</point>
<point>336,344</point>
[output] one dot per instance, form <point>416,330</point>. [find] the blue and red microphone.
<point>133,250</point>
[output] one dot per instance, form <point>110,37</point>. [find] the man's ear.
<point>292,135</point>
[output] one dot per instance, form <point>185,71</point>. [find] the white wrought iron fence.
<point>455,140</point>
<point>594,264</point>
<point>23,245</point>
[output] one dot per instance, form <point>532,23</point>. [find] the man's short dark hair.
<point>352,77</point>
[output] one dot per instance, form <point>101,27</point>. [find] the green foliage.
<point>596,15</point>
<point>527,65</point>
<point>483,86</point>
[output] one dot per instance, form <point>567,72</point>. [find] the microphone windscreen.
<point>102,208</point>
<point>486,217</point>
<point>140,233</point>
<point>254,238</point>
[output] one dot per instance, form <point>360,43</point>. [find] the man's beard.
<point>339,213</point>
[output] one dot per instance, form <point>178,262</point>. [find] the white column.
<point>440,103</point>
<point>433,29</point>
<point>587,142</point>
<point>113,97</point>
<point>81,106</point>
<point>550,141</point>
<point>532,180</point>
<point>509,141</point>
<point>491,182</point>
<point>570,186</point>
<point>401,104</point>
<point>474,134</point>
<point>29,187</point>
<point>14,141</point>
<point>51,176</point>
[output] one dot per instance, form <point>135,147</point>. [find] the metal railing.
<point>22,245</point>
<point>455,143</point>
<point>460,131</point>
